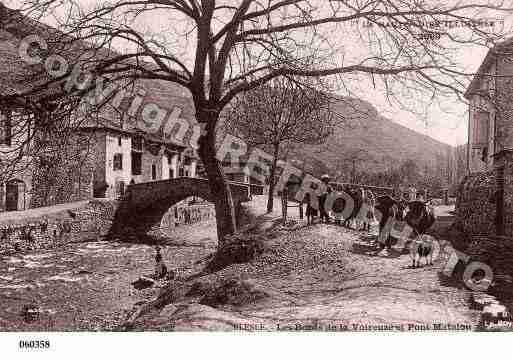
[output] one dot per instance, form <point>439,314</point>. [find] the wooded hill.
<point>377,143</point>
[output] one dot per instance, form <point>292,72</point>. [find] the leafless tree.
<point>277,116</point>
<point>219,49</point>
<point>348,161</point>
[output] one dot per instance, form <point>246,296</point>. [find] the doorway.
<point>15,195</point>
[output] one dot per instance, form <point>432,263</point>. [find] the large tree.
<point>278,116</point>
<point>218,49</point>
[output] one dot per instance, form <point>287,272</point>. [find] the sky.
<point>446,123</point>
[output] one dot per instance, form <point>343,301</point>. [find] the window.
<point>171,173</point>
<point>153,172</point>
<point>118,162</point>
<point>137,144</point>
<point>5,129</point>
<point>136,163</point>
<point>119,141</point>
<point>181,172</point>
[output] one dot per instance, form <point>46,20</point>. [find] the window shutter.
<point>481,129</point>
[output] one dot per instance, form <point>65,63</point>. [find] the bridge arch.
<point>143,206</point>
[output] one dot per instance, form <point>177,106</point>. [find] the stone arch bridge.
<point>141,210</point>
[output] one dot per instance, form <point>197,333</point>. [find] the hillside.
<point>378,143</point>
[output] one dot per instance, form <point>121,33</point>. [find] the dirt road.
<point>326,277</point>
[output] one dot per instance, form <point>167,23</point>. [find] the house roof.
<point>16,76</point>
<point>490,57</point>
<point>19,78</point>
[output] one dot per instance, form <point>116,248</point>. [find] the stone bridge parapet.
<point>142,208</point>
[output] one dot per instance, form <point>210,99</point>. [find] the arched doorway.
<point>15,195</point>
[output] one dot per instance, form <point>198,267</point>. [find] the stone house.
<point>123,157</point>
<point>95,156</point>
<point>487,191</point>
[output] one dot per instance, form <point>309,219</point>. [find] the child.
<point>160,267</point>
<point>368,209</point>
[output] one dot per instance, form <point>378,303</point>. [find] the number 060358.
<point>34,344</point>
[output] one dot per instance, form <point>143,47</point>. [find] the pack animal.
<point>420,218</point>
<point>357,205</point>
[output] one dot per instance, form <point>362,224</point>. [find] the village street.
<point>320,276</point>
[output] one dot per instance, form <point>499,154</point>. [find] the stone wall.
<point>475,204</point>
<point>505,171</point>
<point>52,227</point>
<point>184,214</point>
<point>66,175</point>
<point>88,220</point>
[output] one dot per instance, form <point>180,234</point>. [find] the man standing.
<point>324,215</point>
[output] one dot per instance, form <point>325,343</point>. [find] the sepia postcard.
<point>259,168</point>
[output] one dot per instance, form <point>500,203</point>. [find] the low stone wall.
<point>475,204</point>
<point>51,227</point>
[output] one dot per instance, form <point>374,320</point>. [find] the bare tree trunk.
<point>225,209</point>
<point>272,181</point>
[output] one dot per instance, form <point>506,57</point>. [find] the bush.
<point>238,248</point>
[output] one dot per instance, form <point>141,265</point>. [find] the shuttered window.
<point>118,162</point>
<point>481,128</point>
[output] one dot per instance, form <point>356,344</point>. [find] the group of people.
<point>361,214</point>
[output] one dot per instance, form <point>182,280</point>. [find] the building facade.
<point>490,131</point>
<point>487,191</point>
<point>123,157</point>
